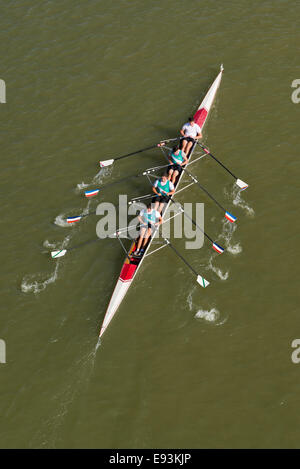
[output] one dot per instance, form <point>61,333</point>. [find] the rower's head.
<point>191,120</point>
<point>164,177</point>
<point>149,206</point>
<point>175,148</point>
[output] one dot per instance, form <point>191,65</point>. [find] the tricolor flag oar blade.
<point>201,280</point>
<point>56,254</point>
<point>91,193</point>
<point>73,219</point>
<point>105,163</point>
<point>230,217</point>
<point>218,248</point>
<point>242,185</point>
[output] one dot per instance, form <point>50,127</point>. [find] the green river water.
<point>179,366</point>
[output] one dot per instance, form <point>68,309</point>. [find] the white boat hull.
<point>129,271</point>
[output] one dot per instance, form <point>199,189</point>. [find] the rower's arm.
<point>199,135</point>
<point>182,132</point>
<point>154,190</point>
<point>160,220</point>
<point>185,160</point>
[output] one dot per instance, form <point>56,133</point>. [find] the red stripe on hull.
<point>127,272</point>
<point>200,117</point>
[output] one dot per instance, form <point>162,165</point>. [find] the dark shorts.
<point>161,198</point>
<point>188,139</point>
<point>146,225</point>
<point>175,167</point>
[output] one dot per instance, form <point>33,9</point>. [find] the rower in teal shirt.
<point>162,188</point>
<point>149,219</point>
<point>177,159</point>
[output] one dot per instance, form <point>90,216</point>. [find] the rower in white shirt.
<point>190,132</point>
<point>162,188</point>
<point>149,218</point>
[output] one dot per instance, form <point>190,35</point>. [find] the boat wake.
<point>76,380</point>
<point>98,345</point>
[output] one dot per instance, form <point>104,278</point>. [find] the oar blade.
<point>201,280</point>
<point>73,219</point>
<point>230,217</point>
<point>91,193</point>
<point>56,254</point>
<point>105,163</point>
<point>218,248</point>
<point>242,185</point>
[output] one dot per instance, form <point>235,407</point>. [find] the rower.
<point>177,159</point>
<point>190,132</point>
<point>162,188</point>
<point>149,218</point>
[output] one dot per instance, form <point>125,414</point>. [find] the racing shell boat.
<point>132,264</point>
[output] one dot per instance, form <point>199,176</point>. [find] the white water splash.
<point>47,244</point>
<point>97,179</point>
<point>190,298</point>
<point>228,230</point>
<point>87,208</point>
<point>239,202</point>
<point>211,315</point>
<point>36,286</point>
<point>102,174</point>
<point>35,283</point>
<point>217,270</point>
<point>61,220</point>
<point>235,249</point>
<point>82,185</point>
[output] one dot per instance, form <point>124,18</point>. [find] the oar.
<point>215,246</point>
<point>201,280</point>
<point>145,173</point>
<point>111,161</point>
<point>96,191</point>
<point>148,196</point>
<point>228,215</point>
<point>242,185</point>
<point>62,252</point>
